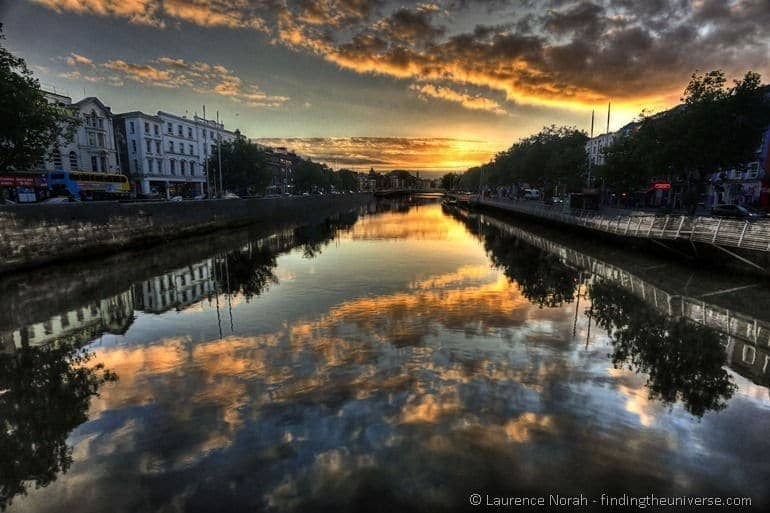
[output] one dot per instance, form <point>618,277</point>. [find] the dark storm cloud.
<point>554,52</point>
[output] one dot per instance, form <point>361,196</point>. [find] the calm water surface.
<point>391,360</point>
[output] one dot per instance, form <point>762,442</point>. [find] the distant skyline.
<point>433,86</point>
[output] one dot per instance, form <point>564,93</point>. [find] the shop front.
<point>24,187</point>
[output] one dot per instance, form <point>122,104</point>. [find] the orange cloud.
<point>170,72</point>
<point>384,153</point>
<point>466,100</point>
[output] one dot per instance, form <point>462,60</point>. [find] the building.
<point>745,185</point>
<point>596,145</point>
<point>176,289</point>
<point>167,155</point>
<point>79,326</point>
<point>282,164</point>
<point>92,145</point>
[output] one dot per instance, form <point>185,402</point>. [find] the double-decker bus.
<point>83,185</point>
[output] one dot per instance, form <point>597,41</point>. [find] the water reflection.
<point>684,361</point>
<point>44,394</point>
<point>394,362</point>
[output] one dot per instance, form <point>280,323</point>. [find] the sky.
<point>432,87</point>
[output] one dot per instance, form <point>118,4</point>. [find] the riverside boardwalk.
<point>724,234</point>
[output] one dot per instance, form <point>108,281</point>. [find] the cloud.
<point>173,73</point>
<point>466,100</point>
<point>385,153</point>
<point>560,53</point>
<point>75,59</point>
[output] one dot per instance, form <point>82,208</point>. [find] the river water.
<point>397,358</point>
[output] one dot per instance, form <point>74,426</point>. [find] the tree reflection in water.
<point>542,277</point>
<point>44,394</point>
<point>684,361</point>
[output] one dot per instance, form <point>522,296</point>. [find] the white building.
<point>166,154</point>
<point>176,289</point>
<point>78,326</point>
<point>92,146</point>
<point>596,145</point>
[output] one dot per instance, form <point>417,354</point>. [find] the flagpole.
<point>219,157</point>
<point>593,112</point>
<point>206,155</point>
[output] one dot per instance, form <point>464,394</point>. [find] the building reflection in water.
<point>357,378</point>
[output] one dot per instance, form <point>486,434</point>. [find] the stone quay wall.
<point>39,234</point>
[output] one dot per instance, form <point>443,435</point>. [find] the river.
<point>400,357</point>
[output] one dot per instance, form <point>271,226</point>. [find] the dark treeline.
<point>718,126</point>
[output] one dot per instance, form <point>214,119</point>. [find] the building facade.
<point>92,145</point>
<point>166,155</point>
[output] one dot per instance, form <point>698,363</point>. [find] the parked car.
<point>737,212</point>
<point>531,194</point>
<point>230,195</point>
<point>176,198</point>
<point>58,199</point>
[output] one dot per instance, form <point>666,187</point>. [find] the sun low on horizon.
<point>424,86</point>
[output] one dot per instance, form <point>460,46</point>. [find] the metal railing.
<point>735,233</point>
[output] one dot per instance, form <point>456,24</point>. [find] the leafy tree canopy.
<point>29,125</point>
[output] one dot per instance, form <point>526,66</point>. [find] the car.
<point>200,197</point>
<point>737,212</point>
<point>531,194</point>
<point>176,198</point>
<point>230,195</point>
<point>58,199</point>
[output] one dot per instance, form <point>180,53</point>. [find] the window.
<point>131,127</point>
<point>149,145</point>
<point>91,139</point>
<point>146,127</point>
<point>191,149</point>
<point>93,118</point>
<point>171,146</point>
<point>101,123</point>
<point>752,171</point>
<point>105,168</point>
<point>157,129</point>
<point>157,146</point>
<point>179,130</point>
<point>172,165</point>
<point>192,168</point>
<point>169,128</point>
<point>189,132</point>
<point>149,165</point>
<point>100,138</point>
<point>133,145</point>
<point>159,166</point>
<point>57,163</point>
<point>211,133</point>
<point>181,167</point>
<point>94,163</point>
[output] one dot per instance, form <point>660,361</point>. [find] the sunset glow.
<point>427,86</point>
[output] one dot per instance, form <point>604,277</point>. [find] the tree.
<point>715,128</point>
<point>29,125</point>
<point>449,180</point>
<point>244,167</point>
<point>308,176</point>
<point>553,156</point>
